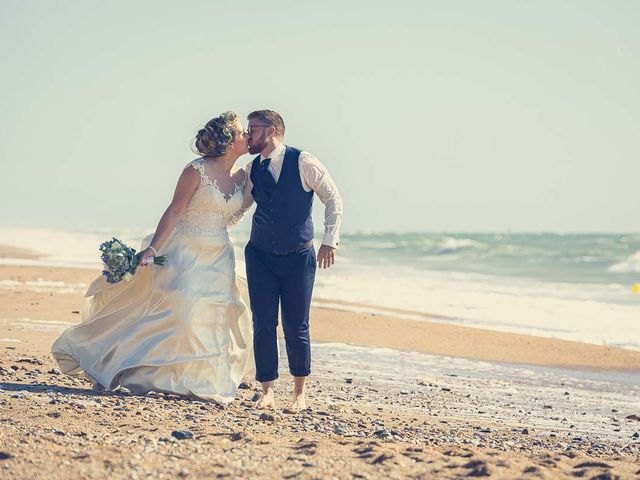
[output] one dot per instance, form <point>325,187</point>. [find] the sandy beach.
<point>63,289</point>
<point>390,398</point>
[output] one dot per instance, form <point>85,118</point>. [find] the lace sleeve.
<point>247,199</point>
<point>198,167</point>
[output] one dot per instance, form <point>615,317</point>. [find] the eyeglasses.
<point>249,129</point>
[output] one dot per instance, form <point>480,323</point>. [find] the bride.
<point>182,327</point>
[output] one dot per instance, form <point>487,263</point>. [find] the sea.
<point>567,286</point>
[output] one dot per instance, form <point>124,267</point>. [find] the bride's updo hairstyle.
<point>217,135</point>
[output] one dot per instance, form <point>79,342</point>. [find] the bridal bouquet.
<point>120,261</point>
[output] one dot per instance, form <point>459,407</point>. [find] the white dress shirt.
<point>314,177</point>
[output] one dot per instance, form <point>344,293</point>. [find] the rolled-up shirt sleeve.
<point>316,177</point>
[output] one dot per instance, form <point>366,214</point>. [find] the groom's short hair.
<point>269,117</point>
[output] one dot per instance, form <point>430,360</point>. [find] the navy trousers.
<point>285,281</point>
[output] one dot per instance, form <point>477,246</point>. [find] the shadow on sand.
<point>90,392</point>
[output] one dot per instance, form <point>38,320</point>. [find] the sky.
<point>430,115</point>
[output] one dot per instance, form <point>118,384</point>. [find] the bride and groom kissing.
<point>185,328</point>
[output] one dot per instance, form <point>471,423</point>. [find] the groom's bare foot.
<point>298,404</point>
<point>267,399</point>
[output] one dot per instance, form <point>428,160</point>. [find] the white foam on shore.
<point>587,313</point>
<point>402,365</point>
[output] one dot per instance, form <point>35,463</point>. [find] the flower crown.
<point>220,132</point>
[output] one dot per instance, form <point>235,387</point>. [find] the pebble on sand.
<point>182,434</point>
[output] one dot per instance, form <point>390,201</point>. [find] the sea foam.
<point>630,264</point>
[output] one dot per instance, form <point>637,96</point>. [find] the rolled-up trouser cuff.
<point>266,378</point>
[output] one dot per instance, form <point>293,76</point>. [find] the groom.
<point>280,258</point>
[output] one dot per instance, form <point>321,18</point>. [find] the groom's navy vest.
<point>282,221</point>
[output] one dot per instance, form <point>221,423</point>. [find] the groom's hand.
<point>326,256</point>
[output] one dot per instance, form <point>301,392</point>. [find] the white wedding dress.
<point>179,328</point>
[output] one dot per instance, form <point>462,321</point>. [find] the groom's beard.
<point>257,146</point>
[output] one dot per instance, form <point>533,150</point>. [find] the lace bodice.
<point>209,210</point>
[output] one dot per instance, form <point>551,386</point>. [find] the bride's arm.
<point>187,184</point>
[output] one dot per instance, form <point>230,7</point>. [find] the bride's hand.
<point>146,257</point>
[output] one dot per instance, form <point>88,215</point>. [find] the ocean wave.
<point>631,264</point>
<point>452,245</point>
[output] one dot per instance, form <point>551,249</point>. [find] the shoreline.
<point>55,293</point>
<point>444,339</point>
